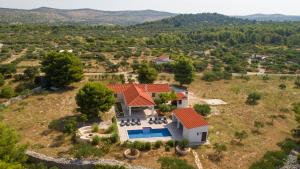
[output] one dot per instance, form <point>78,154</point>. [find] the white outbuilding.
<point>192,126</point>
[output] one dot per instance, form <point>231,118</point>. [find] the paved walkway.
<point>197,160</point>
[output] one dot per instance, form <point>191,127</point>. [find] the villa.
<point>163,60</point>
<point>135,97</point>
<point>142,122</point>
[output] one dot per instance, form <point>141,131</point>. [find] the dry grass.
<point>237,116</point>
<point>32,116</point>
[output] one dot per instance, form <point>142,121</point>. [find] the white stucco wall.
<point>191,134</point>
<point>184,103</point>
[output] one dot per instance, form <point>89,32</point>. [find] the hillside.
<point>271,17</point>
<point>86,16</point>
<point>194,21</point>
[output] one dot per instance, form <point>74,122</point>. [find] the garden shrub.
<point>253,97</point>
<point>167,148</point>
<point>114,138</point>
<point>95,128</point>
<point>170,143</point>
<point>96,140</point>
<point>70,125</point>
<point>184,143</point>
<point>271,160</point>
<point>204,109</point>
<point>173,163</point>
<point>287,145</point>
<point>157,144</point>
<point>84,150</point>
<point>147,146</point>
<point>7,92</point>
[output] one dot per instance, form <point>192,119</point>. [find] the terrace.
<point>172,133</point>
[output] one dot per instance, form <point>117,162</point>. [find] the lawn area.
<point>237,116</point>
<point>32,116</point>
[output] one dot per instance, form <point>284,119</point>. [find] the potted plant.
<point>183,147</point>
<point>131,153</point>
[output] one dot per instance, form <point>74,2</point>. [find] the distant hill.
<point>86,16</point>
<point>195,20</point>
<point>271,17</point>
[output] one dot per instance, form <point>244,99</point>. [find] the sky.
<point>227,7</point>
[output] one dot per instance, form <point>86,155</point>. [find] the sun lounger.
<point>127,122</point>
<point>138,122</point>
<point>159,121</point>
<point>151,121</point>
<point>156,121</point>
<point>122,123</point>
<point>165,120</point>
<point>133,122</point>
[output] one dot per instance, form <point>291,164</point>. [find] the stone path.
<point>291,162</point>
<point>197,160</point>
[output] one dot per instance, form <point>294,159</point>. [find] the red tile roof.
<point>135,96</point>
<point>138,94</point>
<point>190,118</point>
<point>180,96</point>
<point>151,88</point>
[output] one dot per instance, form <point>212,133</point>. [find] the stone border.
<point>64,163</point>
<point>181,151</point>
<point>129,156</point>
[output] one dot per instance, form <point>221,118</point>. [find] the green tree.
<point>240,135</point>
<point>184,71</point>
<point>61,69</point>
<point>8,69</point>
<point>31,72</point>
<point>253,97</point>
<point>147,74</point>
<point>12,155</point>
<point>7,92</point>
<point>94,98</point>
<point>202,109</point>
<point>2,80</point>
<point>282,86</point>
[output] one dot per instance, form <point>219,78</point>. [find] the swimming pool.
<point>149,132</point>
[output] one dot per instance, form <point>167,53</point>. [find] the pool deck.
<point>123,134</point>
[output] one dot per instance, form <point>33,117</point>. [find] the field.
<point>32,116</point>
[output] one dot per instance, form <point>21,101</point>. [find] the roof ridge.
<point>141,93</point>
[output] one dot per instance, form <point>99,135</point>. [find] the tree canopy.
<point>12,156</point>
<point>94,98</point>
<point>146,74</point>
<point>61,69</point>
<point>184,71</point>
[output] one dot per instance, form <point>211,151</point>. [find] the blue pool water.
<point>148,132</point>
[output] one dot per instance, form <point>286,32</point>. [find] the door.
<point>203,137</point>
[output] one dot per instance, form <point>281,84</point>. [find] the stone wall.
<point>63,163</point>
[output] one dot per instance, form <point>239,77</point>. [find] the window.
<point>153,94</point>
<point>115,95</point>
<point>197,134</point>
<point>179,101</point>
